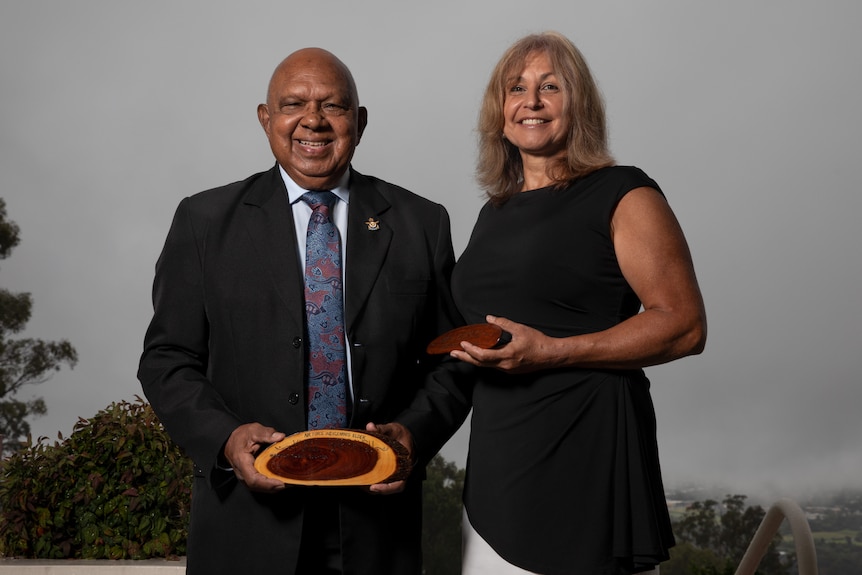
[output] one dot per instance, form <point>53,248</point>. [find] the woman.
<point>563,472</point>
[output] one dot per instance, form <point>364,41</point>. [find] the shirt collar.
<point>294,192</point>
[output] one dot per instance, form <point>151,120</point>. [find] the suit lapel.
<point>269,220</point>
<point>368,241</point>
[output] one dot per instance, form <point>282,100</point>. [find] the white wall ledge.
<point>87,567</point>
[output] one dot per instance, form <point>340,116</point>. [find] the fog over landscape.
<point>747,115</point>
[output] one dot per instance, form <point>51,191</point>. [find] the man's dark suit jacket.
<point>226,346</point>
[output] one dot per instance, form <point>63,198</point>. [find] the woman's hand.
<point>529,350</point>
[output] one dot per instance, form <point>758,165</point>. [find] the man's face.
<point>312,118</point>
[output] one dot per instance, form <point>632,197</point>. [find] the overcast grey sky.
<point>746,113</point>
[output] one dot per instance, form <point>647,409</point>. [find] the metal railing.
<point>806,557</point>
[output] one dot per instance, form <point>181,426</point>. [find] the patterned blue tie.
<point>324,312</point>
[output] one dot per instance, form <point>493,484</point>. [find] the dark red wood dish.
<point>335,457</point>
<point>484,335</point>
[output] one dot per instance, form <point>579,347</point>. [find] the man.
<point>224,361</point>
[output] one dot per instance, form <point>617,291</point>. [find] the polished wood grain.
<point>335,457</point>
<point>484,335</point>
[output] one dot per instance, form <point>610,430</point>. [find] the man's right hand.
<point>240,450</point>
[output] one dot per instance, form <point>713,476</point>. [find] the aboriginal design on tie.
<point>324,312</point>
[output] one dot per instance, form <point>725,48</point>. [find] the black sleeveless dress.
<point>563,471</point>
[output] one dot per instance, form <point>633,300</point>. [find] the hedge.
<point>117,488</point>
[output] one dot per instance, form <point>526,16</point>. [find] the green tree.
<point>441,518</point>
<point>739,523</point>
<point>700,525</point>
<point>688,559</point>
<point>838,558</point>
<point>713,543</point>
<point>22,361</point>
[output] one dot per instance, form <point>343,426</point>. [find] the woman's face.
<point>533,109</point>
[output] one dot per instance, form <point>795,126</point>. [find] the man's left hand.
<point>399,433</point>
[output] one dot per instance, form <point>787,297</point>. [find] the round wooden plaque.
<point>485,335</point>
<point>335,457</point>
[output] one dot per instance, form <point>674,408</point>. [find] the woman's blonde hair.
<point>499,169</point>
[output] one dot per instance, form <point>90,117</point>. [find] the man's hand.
<point>240,449</point>
<point>399,433</point>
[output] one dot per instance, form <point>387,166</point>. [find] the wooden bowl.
<point>335,457</point>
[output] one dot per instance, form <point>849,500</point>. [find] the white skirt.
<point>479,558</point>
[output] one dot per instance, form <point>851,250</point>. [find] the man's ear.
<point>362,121</point>
<point>263,117</point>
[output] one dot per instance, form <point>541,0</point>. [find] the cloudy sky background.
<point>746,113</point>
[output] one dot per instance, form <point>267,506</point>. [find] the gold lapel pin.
<point>373,225</point>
